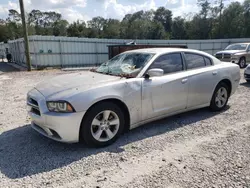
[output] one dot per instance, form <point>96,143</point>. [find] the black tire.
<point>213,105</point>
<point>242,62</point>
<point>86,125</point>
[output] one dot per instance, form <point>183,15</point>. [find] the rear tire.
<point>242,62</point>
<point>220,97</point>
<point>102,125</point>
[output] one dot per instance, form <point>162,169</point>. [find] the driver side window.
<point>169,63</point>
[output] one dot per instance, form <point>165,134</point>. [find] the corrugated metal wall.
<point>3,47</point>
<point>50,51</point>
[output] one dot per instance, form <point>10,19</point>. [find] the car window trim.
<point>184,54</point>
<point>248,48</point>
<point>183,64</point>
<point>211,63</point>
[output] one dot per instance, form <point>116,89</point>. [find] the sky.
<point>73,10</point>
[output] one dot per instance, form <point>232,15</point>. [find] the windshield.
<point>126,64</point>
<point>236,47</point>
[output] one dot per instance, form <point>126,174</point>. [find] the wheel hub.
<point>221,97</point>
<point>105,125</point>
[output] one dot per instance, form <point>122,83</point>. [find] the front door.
<point>168,93</point>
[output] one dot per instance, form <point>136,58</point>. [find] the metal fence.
<point>3,47</point>
<point>50,51</point>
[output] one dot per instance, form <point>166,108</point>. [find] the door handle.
<point>215,72</point>
<point>184,80</point>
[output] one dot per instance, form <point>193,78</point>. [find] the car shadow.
<point>246,84</point>
<point>23,152</point>
<point>5,68</point>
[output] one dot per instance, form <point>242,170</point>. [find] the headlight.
<point>248,67</point>
<point>60,106</point>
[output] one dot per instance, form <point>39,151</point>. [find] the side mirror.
<point>154,72</point>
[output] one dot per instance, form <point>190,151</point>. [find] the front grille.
<point>227,56</point>
<point>219,56</point>
<point>34,106</point>
<point>223,57</point>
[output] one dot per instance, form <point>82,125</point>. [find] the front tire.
<point>220,97</point>
<point>102,125</point>
<point>242,62</point>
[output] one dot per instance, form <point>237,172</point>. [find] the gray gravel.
<point>194,149</point>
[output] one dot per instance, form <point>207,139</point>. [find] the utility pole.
<point>221,7</point>
<point>25,36</point>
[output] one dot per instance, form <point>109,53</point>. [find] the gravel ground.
<point>195,149</point>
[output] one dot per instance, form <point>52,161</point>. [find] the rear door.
<point>168,93</point>
<point>202,77</point>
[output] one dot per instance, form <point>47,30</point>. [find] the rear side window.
<point>169,63</point>
<point>194,61</point>
<point>208,61</point>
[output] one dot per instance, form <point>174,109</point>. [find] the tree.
<point>77,29</point>
<point>205,8</point>
<point>4,34</point>
<point>111,28</point>
<point>232,25</point>
<point>96,26</point>
<point>60,28</point>
<point>14,16</point>
<point>178,28</point>
<point>246,14</point>
<point>164,16</point>
<point>213,21</point>
<point>157,31</point>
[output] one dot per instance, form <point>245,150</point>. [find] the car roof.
<point>166,50</point>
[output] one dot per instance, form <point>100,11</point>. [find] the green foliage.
<point>213,21</point>
<point>178,28</point>
<point>77,29</point>
<point>164,16</point>
<point>111,29</point>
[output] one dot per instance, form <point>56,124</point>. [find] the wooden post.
<point>25,36</point>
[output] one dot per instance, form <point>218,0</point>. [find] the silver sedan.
<point>247,73</point>
<point>131,89</point>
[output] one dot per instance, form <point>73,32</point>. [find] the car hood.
<point>80,81</point>
<point>229,51</point>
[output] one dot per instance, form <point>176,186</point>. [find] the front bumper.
<point>63,127</point>
<point>229,59</point>
<point>247,76</point>
<point>235,61</point>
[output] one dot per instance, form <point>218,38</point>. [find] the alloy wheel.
<point>221,97</point>
<point>242,63</point>
<point>105,126</point>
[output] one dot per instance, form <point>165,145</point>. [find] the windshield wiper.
<point>93,70</point>
<point>107,73</point>
<point>124,75</point>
